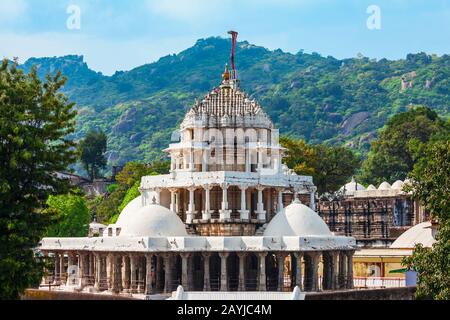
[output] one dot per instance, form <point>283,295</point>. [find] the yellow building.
<point>383,267</point>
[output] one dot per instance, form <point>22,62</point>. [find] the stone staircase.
<point>261,230</point>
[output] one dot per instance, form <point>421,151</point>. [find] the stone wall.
<point>371,294</point>
<point>34,294</point>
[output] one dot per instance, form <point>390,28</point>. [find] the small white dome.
<point>130,210</point>
<point>371,187</point>
<point>152,221</point>
<point>384,186</point>
<point>398,185</point>
<point>297,220</point>
<point>419,234</point>
<point>352,186</point>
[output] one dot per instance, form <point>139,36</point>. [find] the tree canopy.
<point>72,214</point>
<point>431,185</point>
<point>331,167</point>
<point>35,120</point>
<point>93,148</point>
<point>391,157</point>
<point>107,208</point>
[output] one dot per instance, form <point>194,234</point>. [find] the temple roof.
<point>227,100</point>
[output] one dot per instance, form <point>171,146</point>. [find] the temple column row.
<point>134,273</point>
<point>225,213</point>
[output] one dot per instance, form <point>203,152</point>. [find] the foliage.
<point>331,167</point>
<point>73,216</point>
<point>392,156</point>
<point>107,209</point>
<point>35,120</point>
<point>431,185</point>
<point>310,97</point>
<point>112,187</point>
<point>93,149</point>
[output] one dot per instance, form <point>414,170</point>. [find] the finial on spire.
<point>226,74</point>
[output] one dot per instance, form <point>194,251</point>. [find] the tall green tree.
<point>431,185</point>
<point>35,121</point>
<point>331,167</point>
<point>73,216</point>
<point>392,156</point>
<point>93,149</point>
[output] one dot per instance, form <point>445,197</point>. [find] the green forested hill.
<point>308,96</point>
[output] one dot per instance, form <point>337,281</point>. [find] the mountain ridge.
<point>320,99</point>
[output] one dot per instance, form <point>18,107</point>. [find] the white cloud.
<point>11,9</point>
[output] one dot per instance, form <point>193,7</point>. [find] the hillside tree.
<point>35,121</point>
<point>93,148</point>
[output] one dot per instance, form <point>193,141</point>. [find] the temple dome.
<point>371,188</point>
<point>152,221</point>
<point>129,211</point>
<point>384,186</point>
<point>398,185</point>
<point>419,234</point>
<point>352,186</point>
<point>297,220</point>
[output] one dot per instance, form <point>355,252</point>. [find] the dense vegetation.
<point>431,184</point>
<point>92,153</point>
<point>35,119</point>
<point>106,209</point>
<point>393,156</point>
<point>318,99</point>
<point>330,167</point>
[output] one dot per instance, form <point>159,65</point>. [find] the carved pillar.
<point>117,281</point>
<point>173,200</point>
<point>206,272</point>
<point>98,272</point>
<point>225,214</point>
<point>91,269</point>
<point>141,273</point>
<point>312,274</point>
<point>81,269</point>
<point>260,207</point>
<point>313,199</point>
<point>207,213</point>
<point>168,273</point>
<point>298,272</point>
<point>148,276</point>
<point>62,269</point>
<point>280,262</point>
<point>262,271</point>
<point>242,256</point>
<point>133,281</point>
<point>280,206</point>
<point>342,270</point>
<point>334,272</point>
<point>191,210</point>
<point>125,273</point>
<point>350,282</point>
<point>224,271</point>
<point>185,271</point>
<point>245,214</point>
<point>109,271</point>
<point>159,271</point>
<point>57,269</point>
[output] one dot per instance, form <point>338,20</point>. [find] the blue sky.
<point>122,34</point>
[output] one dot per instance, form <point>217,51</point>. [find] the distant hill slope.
<point>308,96</point>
